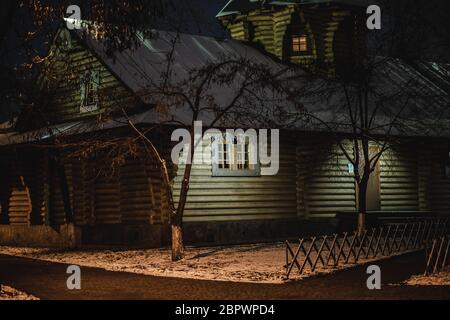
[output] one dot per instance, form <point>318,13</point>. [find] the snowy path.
<point>47,280</point>
<point>260,263</point>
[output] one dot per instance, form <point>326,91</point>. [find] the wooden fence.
<point>337,250</point>
<point>437,255</point>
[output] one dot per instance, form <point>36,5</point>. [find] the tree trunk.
<point>362,206</point>
<point>177,219</point>
<point>177,240</point>
<point>176,214</point>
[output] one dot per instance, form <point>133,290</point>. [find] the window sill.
<point>235,173</point>
<point>306,55</point>
<point>88,108</point>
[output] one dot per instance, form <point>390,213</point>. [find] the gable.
<point>63,84</point>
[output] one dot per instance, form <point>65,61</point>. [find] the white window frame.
<point>237,162</point>
<point>90,81</point>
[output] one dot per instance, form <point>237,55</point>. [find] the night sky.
<point>199,16</point>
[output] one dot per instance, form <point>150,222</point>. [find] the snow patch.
<point>8,293</point>
<point>261,263</point>
<point>438,279</point>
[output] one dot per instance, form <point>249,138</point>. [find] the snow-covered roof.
<point>140,69</point>
<point>416,95</point>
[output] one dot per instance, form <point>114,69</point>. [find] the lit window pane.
<point>234,155</point>
<point>299,44</point>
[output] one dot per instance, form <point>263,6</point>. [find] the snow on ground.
<point>245,263</point>
<point>261,263</point>
<point>8,293</point>
<point>439,279</point>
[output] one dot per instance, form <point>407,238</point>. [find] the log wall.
<point>324,185</point>
<point>240,198</point>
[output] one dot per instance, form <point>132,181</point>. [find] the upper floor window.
<point>89,83</point>
<point>300,44</point>
<point>235,157</point>
<point>64,40</point>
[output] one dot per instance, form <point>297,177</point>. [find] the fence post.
<point>361,246</point>
<point>350,250</point>
<point>441,244</point>
<point>313,240</point>
<point>430,257</point>
<point>375,252</point>
<point>446,253</point>
<point>386,240</point>
<point>413,235</point>
<point>313,267</point>
<point>332,251</point>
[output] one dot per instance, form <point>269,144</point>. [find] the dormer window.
<point>89,83</point>
<point>64,40</point>
<point>300,45</point>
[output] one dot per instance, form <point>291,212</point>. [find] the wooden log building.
<point>50,199</point>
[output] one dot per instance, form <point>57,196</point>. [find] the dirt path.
<point>47,280</point>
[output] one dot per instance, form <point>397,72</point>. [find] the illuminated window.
<point>237,157</point>
<point>300,44</point>
<point>89,91</point>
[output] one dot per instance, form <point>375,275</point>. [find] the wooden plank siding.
<point>136,193</point>
<point>436,186</point>
<point>240,30</point>
<point>324,185</point>
<point>160,207</point>
<point>17,203</point>
<point>106,194</point>
<point>80,192</point>
<point>282,20</point>
<point>239,198</point>
<point>270,27</point>
<point>62,79</point>
<point>399,180</point>
<point>313,182</point>
<point>57,212</point>
<point>33,166</point>
<point>262,23</point>
<point>100,195</point>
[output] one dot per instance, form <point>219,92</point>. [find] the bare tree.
<point>368,112</point>
<point>248,92</point>
<point>372,101</point>
<point>370,116</point>
<point>228,89</point>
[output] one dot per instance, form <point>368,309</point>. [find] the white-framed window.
<point>235,156</point>
<point>64,40</point>
<point>89,83</point>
